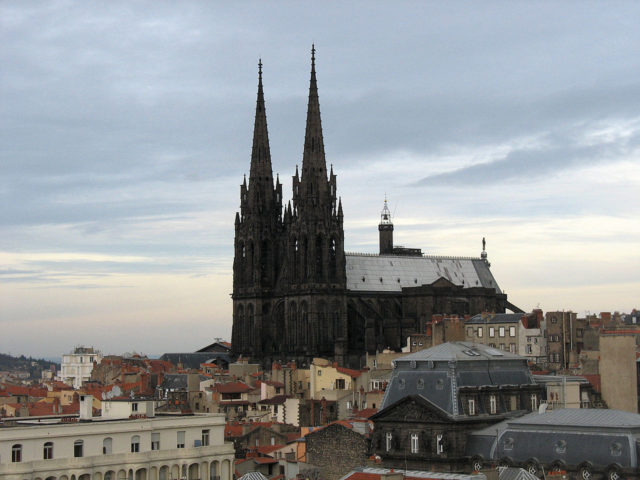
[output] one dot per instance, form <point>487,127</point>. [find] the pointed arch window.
<point>332,260</point>
<point>319,257</point>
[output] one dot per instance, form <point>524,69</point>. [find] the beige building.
<point>618,371</point>
<point>519,333</point>
<point>115,448</point>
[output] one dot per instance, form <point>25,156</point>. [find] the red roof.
<point>365,413</point>
<point>233,430</point>
<point>277,400</point>
<point>263,460</point>
<point>349,371</point>
<point>232,387</point>
<point>266,450</point>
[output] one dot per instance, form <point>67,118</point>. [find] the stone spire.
<point>261,175</point>
<point>314,168</point>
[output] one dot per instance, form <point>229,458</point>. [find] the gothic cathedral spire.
<point>260,194</point>
<point>314,167</point>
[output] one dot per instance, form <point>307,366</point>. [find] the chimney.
<point>86,407</point>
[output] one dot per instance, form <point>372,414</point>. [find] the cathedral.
<point>296,293</point>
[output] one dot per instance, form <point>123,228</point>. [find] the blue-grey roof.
<point>253,476</point>
<point>390,273</point>
<point>581,417</point>
<point>495,318</point>
<point>417,474</point>
<point>459,351</point>
<point>512,473</point>
<point>438,373</point>
<point>587,418</point>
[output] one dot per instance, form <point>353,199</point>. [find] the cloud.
<point>555,153</point>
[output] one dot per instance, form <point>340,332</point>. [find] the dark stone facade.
<point>291,299</point>
<point>336,450</point>
<point>417,435</point>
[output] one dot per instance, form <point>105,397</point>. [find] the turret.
<point>386,231</point>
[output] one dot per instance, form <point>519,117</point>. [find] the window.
<point>528,349</point>
<point>502,346</point>
<point>339,383</point>
<point>492,345</point>
<point>107,446</point>
<point>78,448</point>
<point>47,452</point>
<point>469,331</point>
<point>414,443</point>
<point>579,332</point>
<point>616,449</point>
<point>319,373</point>
<point>534,402</point>
<point>512,347</point>
<point>134,407</point>
<point>16,453</point>
<point>273,440</point>
<point>135,444</point>
<point>554,319</point>
<point>560,447</point>
<point>180,442</point>
<point>508,443</point>
<point>513,402</point>
<point>440,444</point>
<point>501,331</point>
<point>492,332</point>
<point>420,384</point>
<point>155,441</point>
<point>493,404</point>
<point>512,331</point>
<point>480,333</point>
<point>472,406</point>
<point>389,441</point>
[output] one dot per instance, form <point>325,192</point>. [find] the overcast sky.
<point>126,128</point>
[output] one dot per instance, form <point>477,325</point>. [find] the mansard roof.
<point>439,373</point>
<point>391,273</point>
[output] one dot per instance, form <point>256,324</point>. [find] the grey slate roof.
<point>581,417</point>
<point>459,351</point>
<point>512,473</point>
<point>417,474</point>
<point>495,318</point>
<point>253,476</point>
<point>390,273</point>
<point>439,372</point>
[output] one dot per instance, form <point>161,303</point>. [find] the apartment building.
<point>127,442</point>
<point>76,366</point>
<point>519,333</point>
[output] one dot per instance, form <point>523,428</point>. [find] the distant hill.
<point>25,364</point>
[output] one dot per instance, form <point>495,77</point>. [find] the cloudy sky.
<point>125,130</point>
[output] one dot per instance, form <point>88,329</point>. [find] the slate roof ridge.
<point>425,256</point>
<point>451,350</point>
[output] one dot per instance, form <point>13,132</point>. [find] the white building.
<point>114,448</point>
<point>76,367</point>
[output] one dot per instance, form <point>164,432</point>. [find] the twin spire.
<point>314,168</point>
